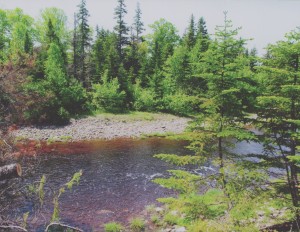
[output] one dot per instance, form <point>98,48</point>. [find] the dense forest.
<point>50,73</point>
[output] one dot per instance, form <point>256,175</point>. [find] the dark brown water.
<point>115,185</point>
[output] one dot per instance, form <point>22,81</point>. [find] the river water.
<point>116,182</point>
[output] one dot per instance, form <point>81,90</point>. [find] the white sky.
<point>264,20</point>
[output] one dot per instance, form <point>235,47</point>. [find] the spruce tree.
<point>138,25</point>
<point>202,35</point>
<point>190,37</point>
<point>279,110</point>
<point>82,45</point>
<point>28,44</point>
<point>121,29</point>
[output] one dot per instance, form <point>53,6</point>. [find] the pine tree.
<point>121,29</point>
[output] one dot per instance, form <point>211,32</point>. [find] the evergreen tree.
<point>82,45</point>
<point>112,58</point>
<point>98,54</point>
<point>132,63</point>
<point>190,37</point>
<point>202,35</point>
<point>121,29</point>
<point>178,68</point>
<point>279,110</point>
<point>59,92</point>
<point>4,29</point>
<point>52,37</point>
<point>226,72</point>
<point>28,44</point>
<point>138,25</point>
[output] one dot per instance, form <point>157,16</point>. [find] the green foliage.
<point>182,181</point>
<point>237,133</point>
<point>25,218</point>
<point>278,108</point>
<point>171,219</point>
<point>55,214</point>
<point>21,31</point>
<point>113,227</point>
<point>144,98</point>
<point>155,219</point>
<point>207,206</point>
<point>108,95</point>
<point>121,29</point>
<point>180,104</point>
<point>58,19</point>
<point>137,225</point>
<point>180,160</point>
<point>75,180</point>
<point>41,191</point>
<point>162,42</point>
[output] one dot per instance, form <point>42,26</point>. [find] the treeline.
<point>50,73</point>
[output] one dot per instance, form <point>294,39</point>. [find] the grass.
<point>157,134</point>
<point>133,116</point>
<point>113,227</point>
<point>137,225</point>
<point>63,138</point>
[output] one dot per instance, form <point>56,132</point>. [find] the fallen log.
<point>10,171</point>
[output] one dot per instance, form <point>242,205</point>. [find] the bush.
<point>113,227</point>
<point>180,104</point>
<point>54,105</point>
<point>137,224</point>
<point>108,95</point>
<point>54,95</point>
<point>144,99</point>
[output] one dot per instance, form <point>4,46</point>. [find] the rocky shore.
<point>106,127</point>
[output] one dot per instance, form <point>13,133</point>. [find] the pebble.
<point>98,128</point>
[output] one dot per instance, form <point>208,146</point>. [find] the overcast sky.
<point>266,21</point>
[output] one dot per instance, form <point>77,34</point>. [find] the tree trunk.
<point>10,171</point>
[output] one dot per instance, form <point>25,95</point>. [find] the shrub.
<point>137,224</point>
<point>54,105</point>
<point>181,104</point>
<point>171,219</point>
<point>113,227</point>
<point>108,95</point>
<point>144,99</point>
<point>54,96</point>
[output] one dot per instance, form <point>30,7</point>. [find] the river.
<point>116,182</point>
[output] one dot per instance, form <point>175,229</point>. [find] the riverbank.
<point>106,126</point>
